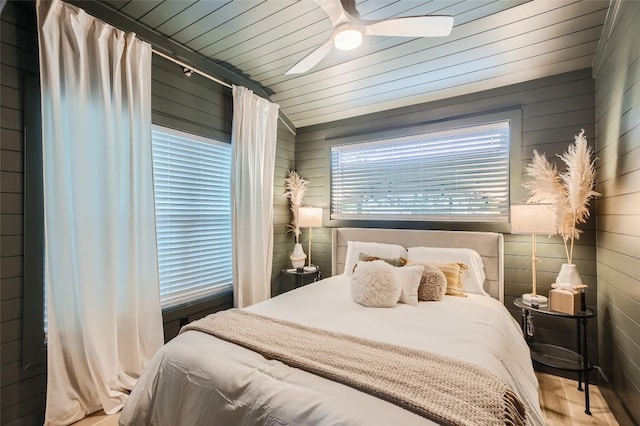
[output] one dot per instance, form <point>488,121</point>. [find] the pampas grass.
<point>295,190</point>
<point>579,180</point>
<point>570,192</point>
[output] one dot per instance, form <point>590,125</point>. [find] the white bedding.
<point>198,379</point>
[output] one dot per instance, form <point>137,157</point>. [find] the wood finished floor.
<point>562,404</point>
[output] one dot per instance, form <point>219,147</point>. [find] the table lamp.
<point>310,217</point>
<point>533,219</point>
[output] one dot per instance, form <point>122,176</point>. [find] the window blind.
<point>460,175</point>
<point>192,181</point>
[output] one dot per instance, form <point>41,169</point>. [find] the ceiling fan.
<point>349,29</point>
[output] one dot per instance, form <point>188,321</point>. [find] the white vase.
<point>568,277</point>
<point>297,256</point>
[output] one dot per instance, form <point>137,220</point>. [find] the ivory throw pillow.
<point>433,283</point>
<point>410,277</point>
<point>375,284</point>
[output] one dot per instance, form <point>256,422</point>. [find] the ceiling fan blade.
<point>349,7</point>
<point>333,8</point>
<point>411,26</point>
<point>311,59</point>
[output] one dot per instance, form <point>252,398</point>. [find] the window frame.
<point>513,115</point>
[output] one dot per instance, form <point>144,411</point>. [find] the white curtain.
<point>253,140</point>
<point>104,315</point>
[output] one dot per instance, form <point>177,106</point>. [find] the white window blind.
<point>192,181</point>
<point>459,175</point>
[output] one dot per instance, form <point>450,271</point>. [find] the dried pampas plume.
<point>295,190</point>
<point>570,192</point>
<point>545,185</point>
<point>579,180</point>
<point>580,177</point>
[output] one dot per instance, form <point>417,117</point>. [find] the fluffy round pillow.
<point>375,284</point>
<point>433,284</point>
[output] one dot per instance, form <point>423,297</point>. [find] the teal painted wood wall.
<point>618,210</point>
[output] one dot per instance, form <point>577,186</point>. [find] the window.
<point>455,175</point>
<point>192,181</point>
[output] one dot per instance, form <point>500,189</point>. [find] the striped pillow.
<point>453,274</point>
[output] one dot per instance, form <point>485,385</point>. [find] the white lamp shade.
<point>533,219</point>
<point>309,217</point>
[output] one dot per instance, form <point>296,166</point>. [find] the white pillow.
<point>354,248</point>
<point>375,284</point>
<point>472,278</point>
<point>410,277</point>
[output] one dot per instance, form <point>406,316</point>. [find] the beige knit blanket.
<point>442,389</point>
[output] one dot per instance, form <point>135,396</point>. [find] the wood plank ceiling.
<point>493,43</point>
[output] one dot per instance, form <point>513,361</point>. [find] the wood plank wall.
<point>194,105</point>
<point>618,210</point>
<point>282,241</point>
<point>22,390</point>
<point>554,109</point>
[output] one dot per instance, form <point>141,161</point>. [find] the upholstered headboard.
<point>489,245</point>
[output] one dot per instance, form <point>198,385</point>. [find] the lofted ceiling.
<point>492,44</point>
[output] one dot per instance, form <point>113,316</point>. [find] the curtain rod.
<point>210,77</point>
<point>197,71</point>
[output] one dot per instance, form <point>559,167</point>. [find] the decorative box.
<point>565,301</point>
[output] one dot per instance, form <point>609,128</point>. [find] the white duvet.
<point>197,379</point>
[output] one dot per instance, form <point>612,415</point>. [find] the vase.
<point>297,256</point>
<point>568,277</point>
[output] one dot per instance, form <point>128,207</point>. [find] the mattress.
<point>199,379</point>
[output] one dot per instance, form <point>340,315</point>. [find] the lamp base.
<point>535,300</point>
<point>310,268</point>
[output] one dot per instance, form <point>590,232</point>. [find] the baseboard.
<point>616,405</point>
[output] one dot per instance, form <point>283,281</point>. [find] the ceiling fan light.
<point>348,39</point>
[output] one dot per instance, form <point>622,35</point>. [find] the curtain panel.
<point>253,140</point>
<point>104,315</point>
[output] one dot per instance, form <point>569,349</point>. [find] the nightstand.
<point>556,356</point>
<point>294,278</point>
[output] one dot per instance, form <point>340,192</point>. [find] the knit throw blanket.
<point>442,389</point>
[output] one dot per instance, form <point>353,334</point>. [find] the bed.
<point>198,379</point>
